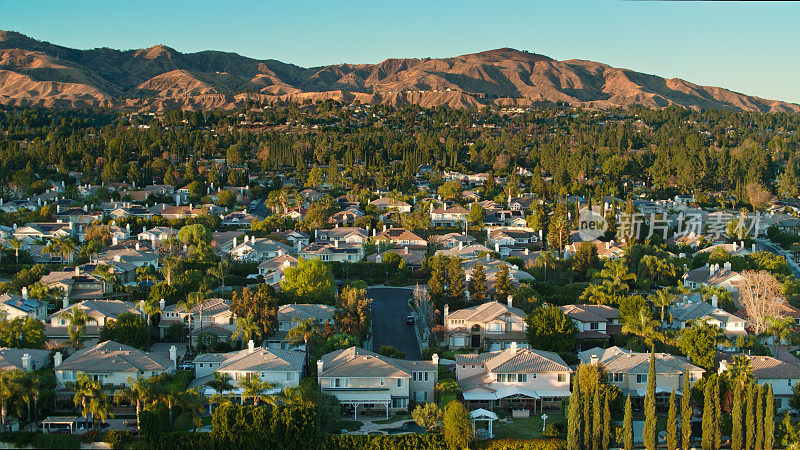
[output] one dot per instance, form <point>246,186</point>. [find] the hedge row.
<point>35,439</point>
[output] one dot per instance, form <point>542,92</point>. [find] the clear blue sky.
<point>750,47</point>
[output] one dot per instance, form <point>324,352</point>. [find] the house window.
<point>594,326</point>
<point>692,376</point>
<point>562,378</point>
<point>501,378</point>
<point>383,382</point>
<point>494,327</point>
<point>641,378</point>
<point>617,377</point>
<point>288,376</point>
<point>399,382</point>
<point>522,378</point>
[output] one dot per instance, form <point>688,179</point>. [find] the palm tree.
<point>87,393</point>
<point>616,276</point>
<point>740,370</point>
<point>595,294</point>
<point>780,329</point>
<point>138,392</point>
<point>663,298</point>
<point>147,272</point>
<point>192,401</point>
<point>304,332</point>
<point>170,264</point>
<point>100,407</point>
<point>16,244</point>
<point>29,391</point>
<point>254,387</point>
<point>51,248</point>
<point>546,259</point>
<point>66,247</point>
<point>104,272</point>
<point>219,272</point>
<point>645,327</point>
<point>9,388</point>
<point>194,299</point>
<point>221,383</point>
<point>77,324</point>
<point>169,395</point>
<point>246,328</point>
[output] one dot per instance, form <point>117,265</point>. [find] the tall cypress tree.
<point>708,416</point>
<point>686,413</point>
<point>606,423</point>
<point>672,423</point>
<point>574,418</point>
<point>769,419</point>
<point>650,405</point>
<point>597,421</point>
<point>749,418</point>
<point>586,403</point>
<point>759,413</point>
<point>736,417</point>
<point>717,416</point>
<point>627,425</point>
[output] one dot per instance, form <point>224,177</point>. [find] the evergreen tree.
<point>477,284</point>
<point>627,425</point>
<point>436,284</point>
<point>749,418</point>
<point>502,284</point>
<point>597,421</point>
<point>717,416</point>
<point>574,418</point>
<point>736,418</point>
<point>650,418</point>
<point>606,423</point>
<point>708,416</point>
<point>769,419</point>
<point>672,423</point>
<point>456,279</point>
<point>759,414</point>
<point>586,403</point>
<point>686,413</point>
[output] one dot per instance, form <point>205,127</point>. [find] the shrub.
<point>120,439</point>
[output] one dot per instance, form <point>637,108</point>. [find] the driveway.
<point>389,311</point>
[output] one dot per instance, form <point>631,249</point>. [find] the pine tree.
<point>586,402</point>
<point>436,284</point>
<point>502,284</point>
<point>650,418</point>
<point>686,413</point>
<point>574,418</point>
<point>627,426</point>
<point>606,424</point>
<point>769,419</point>
<point>736,418</point>
<point>717,416</point>
<point>672,423</point>
<point>749,418</point>
<point>597,421</point>
<point>456,279</point>
<point>708,416</point>
<point>759,413</point>
<point>477,284</point>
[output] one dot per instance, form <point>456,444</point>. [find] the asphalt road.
<point>389,311</point>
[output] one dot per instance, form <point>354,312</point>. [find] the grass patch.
<point>183,422</point>
<point>350,425</point>
<point>394,418</point>
<point>530,428</point>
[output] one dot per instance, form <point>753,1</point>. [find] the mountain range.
<point>39,73</point>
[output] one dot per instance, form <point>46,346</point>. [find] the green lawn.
<point>530,428</point>
<point>394,418</point>
<point>350,425</point>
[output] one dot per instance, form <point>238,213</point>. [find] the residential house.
<point>13,306</point>
<point>628,371</point>
<point>450,240</point>
<point>403,238</point>
<point>272,269</point>
<point>99,311</point>
<point>594,322</point>
<point>238,218</point>
<point>782,376</point>
<point>605,250</point>
<point>367,382</point>
<point>290,314</point>
<point>449,216</point>
<point>514,378</point>
<point>335,251</point>
<point>255,249</point>
<point>26,359</point>
<point>413,260</point>
<point>347,235</point>
<point>695,309</point>
<point>45,231</point>
<point>465,251</point>
<point>391,204</point>
<point>222,241</point>
<point>512,236</point>
<point>113,363</point>
<point>157,234</point>
<point>714,276</point>
<point>75,283</point>
<point>280,368</point>
<point>491,325</point>
<point>210,316</point>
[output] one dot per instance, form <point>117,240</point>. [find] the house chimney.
<point>435,359</point>
<point>384,228</point>
<point>234,242</point>
<point>299,246</point>
<point>714,300</point>
<point>114,240</point>
<point>510,301</point>
<point>497,247</point>
<point>65,302</point>
<point>514,347</point>
<point>162,304</point>
<point>319,366</point>
<point>26,362</point>
<point>335,243</point>
<point>727,265</point>
<point>446,313</point>
<point>460,245</point>
<point>251,346</point>
<point>25,293</point>
<point>128,228</point>
<point>487,257</point>
<point>593,360</point>
<point>173,356</point>
<point>753,248</point>
<point>137,247</point>
<point>316,234</point>
<point>57,359</point>
<point>77,270</point>
<point>526,252</point>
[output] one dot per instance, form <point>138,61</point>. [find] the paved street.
<point>389,311</point>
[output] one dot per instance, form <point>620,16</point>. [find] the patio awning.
<point>481,413</point>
